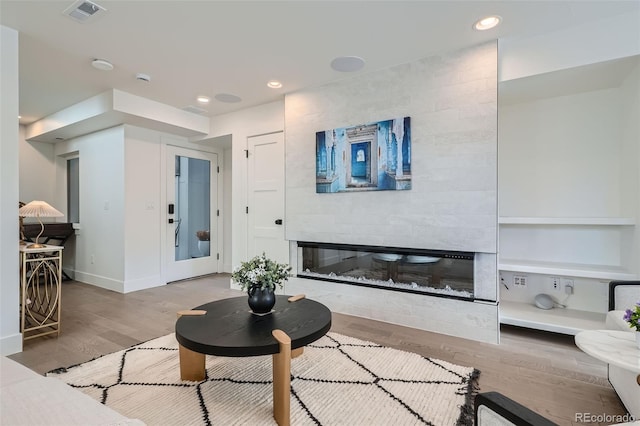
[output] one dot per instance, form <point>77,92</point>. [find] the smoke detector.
<point>83,10</point>
<point>102,64</point>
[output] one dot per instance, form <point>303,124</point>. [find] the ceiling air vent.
<point>83,10</point>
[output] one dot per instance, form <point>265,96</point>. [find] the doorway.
<point>361,156</point>
<point>192,214</point>
<point>360,163</point>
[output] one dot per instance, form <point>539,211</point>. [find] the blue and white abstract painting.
<point>367,157</point>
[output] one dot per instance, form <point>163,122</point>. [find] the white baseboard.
<point>143,283</point>
<point>11,344</point>
<point>117,285</point>
<point>100,281</point>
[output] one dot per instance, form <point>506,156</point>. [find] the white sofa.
<point>27,398</point>
<point>623,295</point>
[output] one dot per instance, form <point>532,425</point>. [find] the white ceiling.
<point>602,75</point>
<point>207,47</point>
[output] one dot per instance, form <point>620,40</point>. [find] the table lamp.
<point>38,209</point>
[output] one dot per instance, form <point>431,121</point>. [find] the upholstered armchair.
<point>495,409</point>
<point>623,295</point>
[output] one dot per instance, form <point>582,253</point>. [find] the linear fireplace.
<point>434,272</point>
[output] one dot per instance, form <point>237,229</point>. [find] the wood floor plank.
<point>543,371</point>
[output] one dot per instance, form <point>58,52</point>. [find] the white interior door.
<point>266,197</point>
<point>191,214</point>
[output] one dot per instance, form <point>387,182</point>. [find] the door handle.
<point>278,221</point>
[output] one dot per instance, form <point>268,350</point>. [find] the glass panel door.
<point>192,208</point>
<point>192,225</point>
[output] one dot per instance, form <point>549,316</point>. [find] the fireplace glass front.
<point>437,272</point>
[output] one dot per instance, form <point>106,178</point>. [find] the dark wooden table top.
<point>229,328</point>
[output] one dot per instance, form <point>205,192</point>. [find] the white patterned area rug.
<point>338,380</point>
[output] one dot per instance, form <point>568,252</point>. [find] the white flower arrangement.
<point>261,272</point>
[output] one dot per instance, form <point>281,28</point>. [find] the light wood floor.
<point>543,371</point>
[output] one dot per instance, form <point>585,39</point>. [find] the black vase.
<point>261,301</point>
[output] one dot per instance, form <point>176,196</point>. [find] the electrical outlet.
<point>520,280</point>
<point>554,283</point>
<point>567,284</point>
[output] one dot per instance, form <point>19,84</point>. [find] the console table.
<point>55,233</point>
<point>40,290</point>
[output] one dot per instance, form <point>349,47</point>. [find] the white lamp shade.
<point>38,209</point>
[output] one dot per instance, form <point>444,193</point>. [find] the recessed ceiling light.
<point>227,98</point>
<point>102,64</point>
<point>274,84</point>
<point>19,117</point>
<point>203,99</point>
<point>347,63</point>
<point>487,22</point>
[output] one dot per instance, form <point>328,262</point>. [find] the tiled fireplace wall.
<point>452,101</point>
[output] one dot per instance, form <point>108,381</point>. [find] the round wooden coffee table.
<point>228,328</point>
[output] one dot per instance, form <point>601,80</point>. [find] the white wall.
<point>630,169</point>
<point>37,172</point>
<point>452,101</point>
<point>595,41</point>
<point>268,118</point>
<point>99,242</point>
<point>143,217</point>
<point>556,146</point>
<point>10,336</point>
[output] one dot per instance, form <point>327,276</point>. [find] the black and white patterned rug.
<point>338,380</point>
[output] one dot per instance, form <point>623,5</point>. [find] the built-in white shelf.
<point>557,320</point>
<point>595,221</point>
<point>603,272</point>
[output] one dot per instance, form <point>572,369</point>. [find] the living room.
<point>491,193</point>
